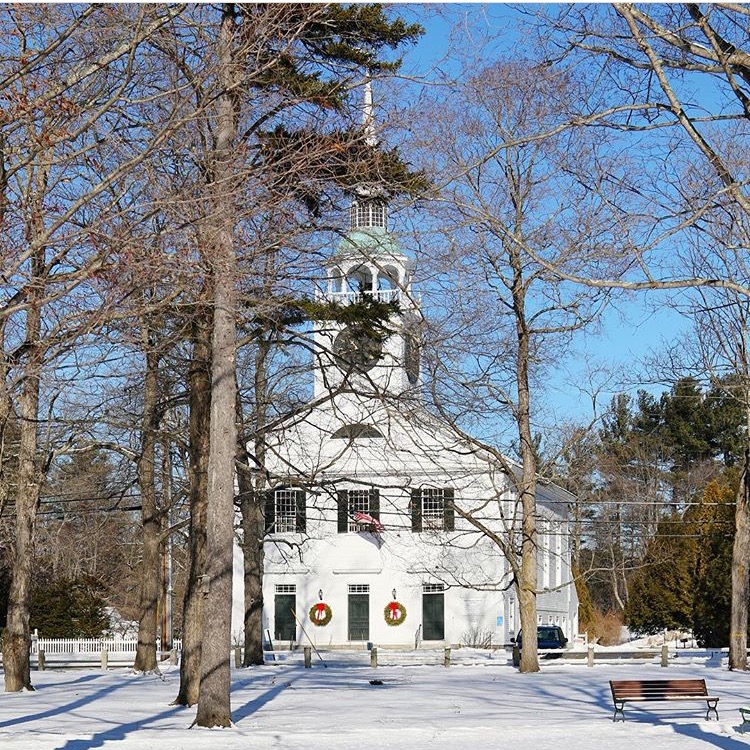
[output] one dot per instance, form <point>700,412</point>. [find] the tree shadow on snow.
<point>119,731</point>
<point>67,683</point>
<point>249,708</point>
<point>717,740</point>
<point>65,707</point>
<point>650,717</point>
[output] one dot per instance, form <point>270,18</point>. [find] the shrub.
<point>605,627</point>
<point>477,637</point>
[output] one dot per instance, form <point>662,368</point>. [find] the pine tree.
<point>69,608</point>
<point>713,579</point>
<point>661,591</point>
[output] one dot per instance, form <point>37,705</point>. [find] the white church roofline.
<point>550,494</point>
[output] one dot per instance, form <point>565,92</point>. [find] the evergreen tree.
<point>69,608</point>
<point>726,420</point>
<point>713,579</point>
<point>685,425</point>
<point>661,590</point>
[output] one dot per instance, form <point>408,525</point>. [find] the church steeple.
<point>369,208</point>
<point>368,262</point>
<point>368,115</point>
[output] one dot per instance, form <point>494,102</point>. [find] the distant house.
<point>362,528</point>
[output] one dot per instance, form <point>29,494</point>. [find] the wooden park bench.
<point>626,691</point>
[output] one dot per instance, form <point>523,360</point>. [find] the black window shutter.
<point>375,503</point>
<point>270,510</point>
<point>416,509</point>
<point>343,501</point>
<point>301,524</point>
<point>449,514</point>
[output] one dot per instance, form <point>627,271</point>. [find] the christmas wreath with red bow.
<point>394,613</point>
<point>320,614</point>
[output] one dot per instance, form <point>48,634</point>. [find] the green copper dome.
<point>369,241</point>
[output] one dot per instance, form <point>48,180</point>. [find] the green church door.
<point>285,626</point>
<point>359,613</point>
<point>433,612</point>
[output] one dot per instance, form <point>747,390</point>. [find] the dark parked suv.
<point>547,636</point>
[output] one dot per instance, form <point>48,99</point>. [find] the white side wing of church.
<point>366,542</point>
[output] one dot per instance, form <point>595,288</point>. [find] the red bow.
<point>395,608</point>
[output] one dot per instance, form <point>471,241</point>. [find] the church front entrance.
<point>359,612</point>
<point>433,612</point>
<point>285,626</point>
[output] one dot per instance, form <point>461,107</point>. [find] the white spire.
<point>369,207</point>
<point>368,117</point>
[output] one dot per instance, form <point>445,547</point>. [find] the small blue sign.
<point>499,620</point>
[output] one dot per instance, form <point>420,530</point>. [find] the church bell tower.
<point>369,262</point>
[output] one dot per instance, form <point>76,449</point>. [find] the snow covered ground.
<point>566,707</point>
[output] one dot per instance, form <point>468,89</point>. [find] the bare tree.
<point>63,104</point>
<point>507,199</point>
<point>199,390</point>
<point>687,162</point>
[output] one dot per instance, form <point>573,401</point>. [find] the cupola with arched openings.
<point>369,262</point>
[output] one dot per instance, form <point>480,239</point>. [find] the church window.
<point>378,214</point>
<point>356,431</point>
<point>336,279</point>
<point>432,509</point>
<point>351,502</point>
<point>286,511</point>
<point>367,213</point>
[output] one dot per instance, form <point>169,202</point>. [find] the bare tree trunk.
<point>252,547</point>
<point>17,635</point>
<point>200,407</point>
<point>740,589</point>
<point>6,414</point>
<point>214,707</point>
<point>252,513</point>
<point>529,551</point>
<point>213,701</point>
<point>527,487</point>
<point>165,547</point>
<point>145,656</point>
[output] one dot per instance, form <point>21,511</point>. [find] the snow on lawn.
<point>566,707</point>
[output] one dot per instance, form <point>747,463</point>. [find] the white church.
<point>367,537</point>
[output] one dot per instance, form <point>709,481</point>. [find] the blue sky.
<point>632,329</point>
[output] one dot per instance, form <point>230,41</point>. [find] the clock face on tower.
<point>356,349</point>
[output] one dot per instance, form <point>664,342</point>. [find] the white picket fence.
<point>52,646</point>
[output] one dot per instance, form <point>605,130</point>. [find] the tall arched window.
<point>336,279</point>
<point>388,278</point>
